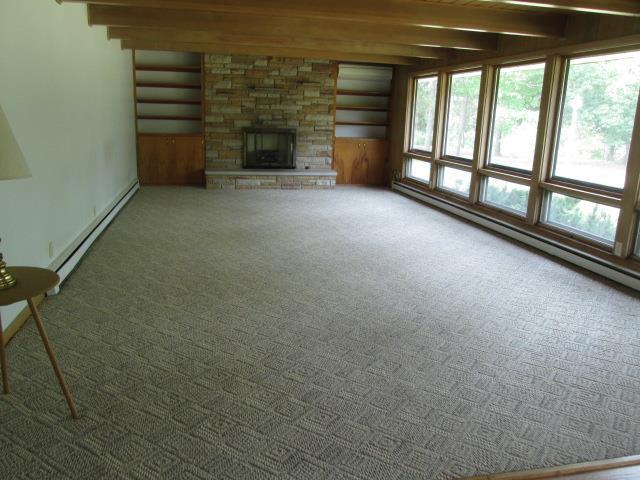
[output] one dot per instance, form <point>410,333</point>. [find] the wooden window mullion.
<point>439,126</point>
<point>626,232</point>
<point>545,137</point>
<point>483,129</point>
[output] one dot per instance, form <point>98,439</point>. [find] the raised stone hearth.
<point>271,179</point>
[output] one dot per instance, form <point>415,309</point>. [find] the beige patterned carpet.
<point>353,334</point>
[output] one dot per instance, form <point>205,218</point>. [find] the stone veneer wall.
<point>250,91</point>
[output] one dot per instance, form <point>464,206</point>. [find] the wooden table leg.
<point>3,362</point>
<point>52,357</point>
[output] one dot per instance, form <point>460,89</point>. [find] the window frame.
<point>492,117</point>
<point>411,126</point>
<point>440,175</point>
<point>539,179</point>
<point>557,127</point>
<point>635,253</point>
<point>574,232</point>
<point>517,180</point>
<point>410,158</point>
<point>447,109</point>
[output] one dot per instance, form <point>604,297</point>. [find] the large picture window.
<point>598,111</point>
<point>462,114</point>
<point>424,112</point>
<point>515,119</point>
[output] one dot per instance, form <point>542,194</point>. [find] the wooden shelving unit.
<point>169,106</point>
<point>362,118</point>
<point>167,76</point>
<point>362,101</point>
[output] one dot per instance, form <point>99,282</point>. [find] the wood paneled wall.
<point>397,117</point>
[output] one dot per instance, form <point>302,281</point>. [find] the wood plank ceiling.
<point>402,32</point>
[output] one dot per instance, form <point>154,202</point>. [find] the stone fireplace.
<point>246,94</point>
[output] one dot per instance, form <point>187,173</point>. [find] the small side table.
<point>32,282</point>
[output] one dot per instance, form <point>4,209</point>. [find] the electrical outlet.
<point>50,249</point>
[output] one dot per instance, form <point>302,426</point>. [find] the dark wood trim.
<point>368,124</point>
<point>362,93</point>
<point>168,101</point>
<point>168,117</point>
<point>361,109</point>
<point>170,135</point>
<point>168,68</point>
<point>193,86</point>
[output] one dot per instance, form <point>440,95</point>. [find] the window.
<point>589,219</point>
<point>456,181</point>
<point>515,118</point>
<point>509,196</point>
<point>598,110</point>
<point>418,170</point>
<point>574,188</point>
<point>464,94</point>
<point>424,113</point>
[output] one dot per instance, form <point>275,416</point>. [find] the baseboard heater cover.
<point>623,276</point>
<point>68,265</point>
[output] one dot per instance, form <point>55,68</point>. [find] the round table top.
<point>31,282</point>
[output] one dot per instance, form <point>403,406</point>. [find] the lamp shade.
<point>12,163</point>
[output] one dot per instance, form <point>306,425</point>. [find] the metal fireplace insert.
<point>269,148</point>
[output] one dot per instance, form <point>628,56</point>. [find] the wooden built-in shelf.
<point>168,117</point>
<point>362,93</point>
<point>367,124</point>
<point>193,86</point>
<point>163,101</point>
<point>169,68</point>
<point>354,108</point>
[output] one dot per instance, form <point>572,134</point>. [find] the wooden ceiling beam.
<point>201,36</point>
<point>391,12</point>
<point>608,7</point>
<point>295,27</point>
<point>282,51</point>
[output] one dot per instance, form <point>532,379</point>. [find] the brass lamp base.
<point>6,279</point>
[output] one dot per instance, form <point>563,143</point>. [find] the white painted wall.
<point>67,93</point>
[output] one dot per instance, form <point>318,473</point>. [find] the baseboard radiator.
<point>616,273</point>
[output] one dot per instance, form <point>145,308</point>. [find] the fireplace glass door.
<point>269,149</point>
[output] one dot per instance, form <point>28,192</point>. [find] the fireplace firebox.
<point>269,148</point>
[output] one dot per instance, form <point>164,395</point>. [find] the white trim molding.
<point>69,259</point>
